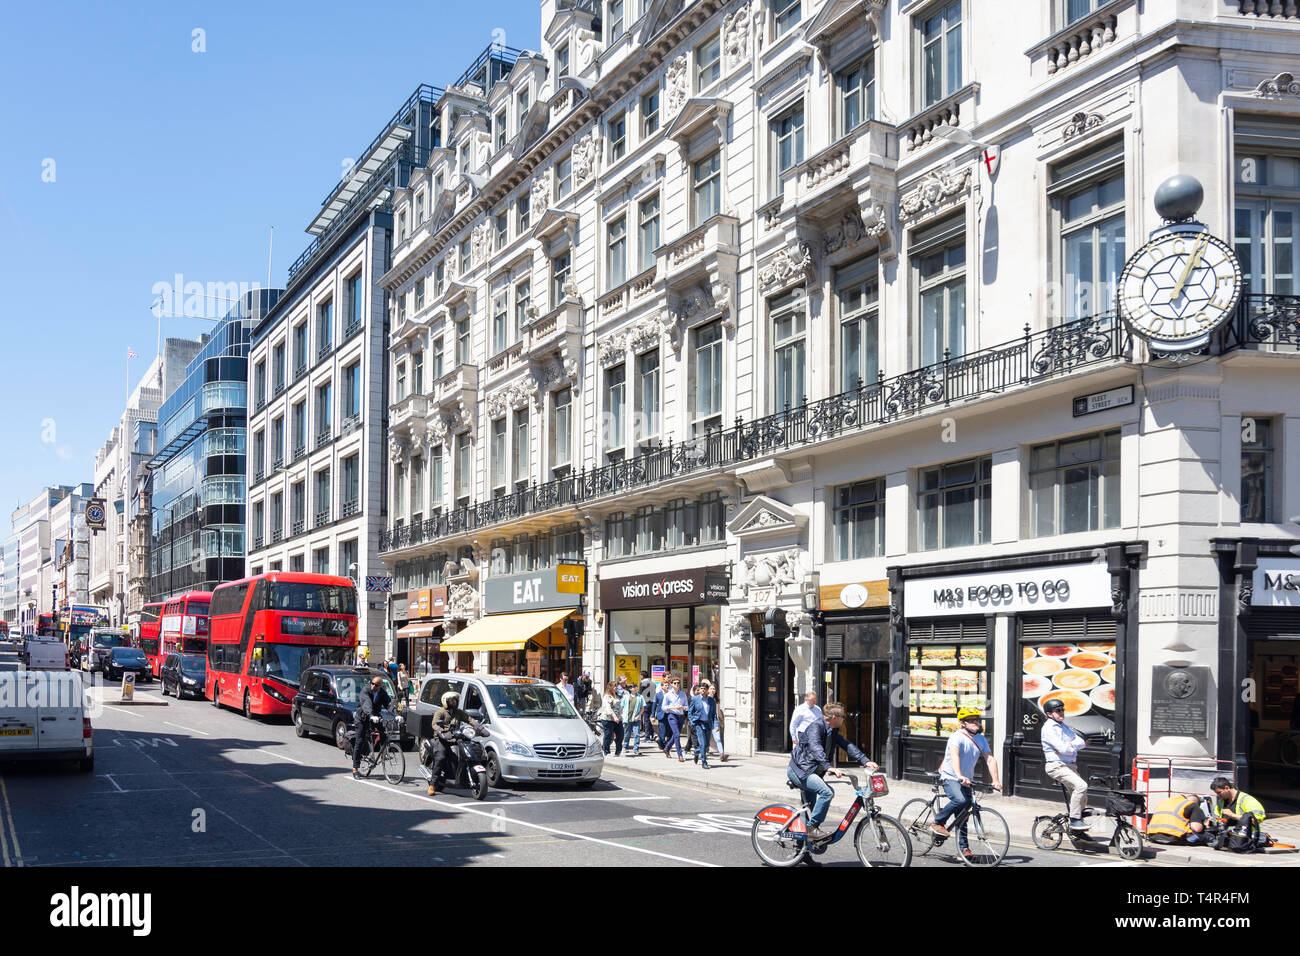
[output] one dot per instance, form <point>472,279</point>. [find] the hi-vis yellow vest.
<point>1168,818</point>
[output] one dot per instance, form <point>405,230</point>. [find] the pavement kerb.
<point>1019,827</point>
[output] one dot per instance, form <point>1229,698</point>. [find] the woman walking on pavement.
<point>717,722</point>
<point>611,719</point>
<point>674,714</point>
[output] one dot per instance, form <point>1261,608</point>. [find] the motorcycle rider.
<point>441,734</point>
<point>369,704</point>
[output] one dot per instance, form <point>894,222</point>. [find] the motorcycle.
<point>465,762</point>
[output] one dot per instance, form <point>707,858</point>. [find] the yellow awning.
<point>505,632</point>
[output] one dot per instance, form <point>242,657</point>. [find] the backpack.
<point>1246,838</point>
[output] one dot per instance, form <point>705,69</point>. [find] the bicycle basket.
<point>1125,803</point>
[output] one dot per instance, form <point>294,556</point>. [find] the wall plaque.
<point>1180,701</point>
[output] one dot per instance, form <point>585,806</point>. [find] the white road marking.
<point>124,710</point>
<point>286,757</point>
<point>13,830</point>
<point>109,778</point>
<point>190,729</point>
<point>529,803</point>
<point>537,826</point>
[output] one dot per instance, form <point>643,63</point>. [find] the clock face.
<point>95,514</point>
<point>1180,287</point>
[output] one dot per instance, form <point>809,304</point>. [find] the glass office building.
<point>199,486</point>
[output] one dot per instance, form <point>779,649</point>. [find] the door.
<point>857,687</point>
<point>773,698</point>
<point>61,709</point>
<point>1274,714</point>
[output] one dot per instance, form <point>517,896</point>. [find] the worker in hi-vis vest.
<point>1177,819</point>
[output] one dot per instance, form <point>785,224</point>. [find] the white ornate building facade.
<point>795,323</point>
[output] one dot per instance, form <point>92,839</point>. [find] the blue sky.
<point>166,160</point>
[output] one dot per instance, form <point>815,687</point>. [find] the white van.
<point>46,655</point>
<point>43,717</point>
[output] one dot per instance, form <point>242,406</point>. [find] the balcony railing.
<point>350,508</point>
<point>257,541</point>
<point>323,352</point>
<point>299,525</point>
<point>277,534</point>
<point>300,370</point>
<point>323,436</point>
<point>259,475</point>
<point>261,403</point>
<point>278,463</point>
<point>1265,323</point>
<point>279,388</point>
<point>1036,357</point>
<point>322,517</point>
<point>350,424</point>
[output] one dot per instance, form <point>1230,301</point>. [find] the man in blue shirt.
<point>702,712</point>
<point>964,749</point>
<point>1061,746</point>
<point>811,760</point>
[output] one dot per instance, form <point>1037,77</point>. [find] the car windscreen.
<point>127,654</point>
<point>109,640</point>
<point>312,598</point>
<point>348,687</point>
<point>530,700</point>
<point>286,662</point>
<point>193,665</point>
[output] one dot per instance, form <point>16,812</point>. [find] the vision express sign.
<point>669,589</point>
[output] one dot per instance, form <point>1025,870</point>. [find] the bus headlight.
<point>272,692</point>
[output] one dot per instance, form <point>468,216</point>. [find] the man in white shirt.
<point>1061,746</point>
<point>566,687</point>
<point>804,715</point>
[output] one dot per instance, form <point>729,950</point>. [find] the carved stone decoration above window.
<point>767,517</point>
<point>611,350</point>
<point>855,225</point>
<point>516,395</point>
<point>417,441</point>
<point>645,334</point>
<point>541,194</point>
<point>1284,84</point>
<point>676,86</point>
<point>788,267</point>
<point>1080,124</point>
<point>934,191</point>
<point>693,304</point>
<point>397,448</point>
<point>584,158</point>
<point>721,292</point>
<point>556,373</point>
<point>735,37</point>
<point>481,241</point>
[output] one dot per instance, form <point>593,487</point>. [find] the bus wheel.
<point>248,706</point>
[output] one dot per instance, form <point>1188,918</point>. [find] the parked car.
<point>124,660</point>
<point>327,699</point>
<point>184,674</point>
<point>46,654</point>
<point>534,732</point>
<point>45,718</point>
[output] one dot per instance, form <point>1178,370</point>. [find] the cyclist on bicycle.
<point>958,768</point>
<point>369,704</point>
<point>809,764</point>
<point>1061,746</point>
<point>440,732</point>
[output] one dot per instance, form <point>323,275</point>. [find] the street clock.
<point>1183,284</point>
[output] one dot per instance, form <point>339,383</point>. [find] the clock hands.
<point>1192,261</point>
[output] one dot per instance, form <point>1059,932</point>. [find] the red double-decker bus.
<point>147,640</point>
<point>183,626</point>
<point>266,630</point>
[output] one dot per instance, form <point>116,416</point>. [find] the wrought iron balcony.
<point>277,534</point>
<point>261,403</point>
<point>279,388</point>
<point>299,525</point>
<point>278,463</point>
<point>259,475</point>
<point>299,452</point>
<point>300,370</point>
<point>1036,357</point>
<point>322,353</point>
<point>350,424</point>
<point>352,330</point>
<point>1265,323</point>
<point>257,541</point>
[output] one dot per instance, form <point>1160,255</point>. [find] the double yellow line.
<point>9,832</point>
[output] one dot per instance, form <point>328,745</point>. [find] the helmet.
<point>448,697</point>
<point>1053,705</point>
<point>969,713</point>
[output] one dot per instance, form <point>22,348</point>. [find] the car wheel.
<point>164,688</point>
<point>494,771</point>
<point>248,706</point>
<point>340,735</point>
<point>298,727</point>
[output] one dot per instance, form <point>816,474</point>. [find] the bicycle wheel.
<point>987,836</point>
<point>915,818</point>
<point>772,839</point>
<point>1046,833</point>
<point>394,763</point>
<point>881,841</point>
<point>1127,841</point>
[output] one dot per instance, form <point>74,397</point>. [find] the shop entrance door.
<point>863,689</point>
<point>774,693</point>
<point>1274,715</point>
